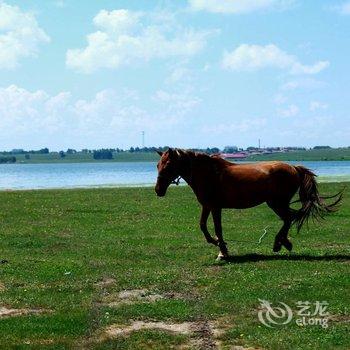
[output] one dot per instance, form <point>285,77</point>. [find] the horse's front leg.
<point>203,226</point>
<point>218,231</point>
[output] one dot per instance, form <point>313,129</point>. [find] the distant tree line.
<point>164,148</point>
<point>103,154</point>
<point>21,151</point>
<point>322,147</point>
<point>7,160</point>
<point>107,153</point>
<point>208,150</point>
<point>147,149</point>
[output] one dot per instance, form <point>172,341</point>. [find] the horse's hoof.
<point>221,257</point>
<point>277,247</point>
<point>288,245</point>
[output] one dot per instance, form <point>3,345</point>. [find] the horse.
<point>220,184</point>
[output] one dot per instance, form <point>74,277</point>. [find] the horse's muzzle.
<point>160,192</point>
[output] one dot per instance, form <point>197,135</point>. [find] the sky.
<point>190,73</point>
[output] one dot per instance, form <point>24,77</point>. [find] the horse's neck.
<point>195,168</point>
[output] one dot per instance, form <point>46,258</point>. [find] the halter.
<point>176,181</point>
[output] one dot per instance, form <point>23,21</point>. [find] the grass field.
<point>66,254</point>
<point>314,154</point>
<point>323,154</point>
<point>80,157</point>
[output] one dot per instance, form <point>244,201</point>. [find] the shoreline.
<point>324,154</point>
<point>246,160</point>
<point>321,179</point>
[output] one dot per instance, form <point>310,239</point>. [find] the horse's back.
<point>250,184</point>
<point>260,170</point>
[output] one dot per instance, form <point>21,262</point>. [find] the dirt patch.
<point>128,297</point>
<point>96,263</point>
<point>181,328</point>
<point>65,234</point>
<point>132,296</point>
<point>203,334</point>
<point>175,295</point>
<point>2,287</point>
<point>106,282</point>
<point>339,318</point>
<point>240,347</point>
<point>7,312</point>
<point>39,342</point>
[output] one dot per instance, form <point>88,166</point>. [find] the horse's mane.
<point>204,157</point>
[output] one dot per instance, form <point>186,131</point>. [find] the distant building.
<point>230,149</point>
<point>237,155</point>
<point>17,150</point>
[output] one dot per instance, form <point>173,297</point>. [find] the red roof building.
<point>237,155</point>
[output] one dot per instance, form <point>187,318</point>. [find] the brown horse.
<point>220,184</point>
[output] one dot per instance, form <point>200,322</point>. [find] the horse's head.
<point>168,170</point>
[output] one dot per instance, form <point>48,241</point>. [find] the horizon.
<point>141,148</point>
<point>189,73</point>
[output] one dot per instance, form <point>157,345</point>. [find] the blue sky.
<point>193,73</point>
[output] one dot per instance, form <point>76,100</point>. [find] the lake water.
<point>73,175</point>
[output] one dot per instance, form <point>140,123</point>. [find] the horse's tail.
<point>313,205</point>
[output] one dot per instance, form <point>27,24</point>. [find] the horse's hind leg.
<point>283,211</point>
<point>282,238</point>
<point>218,231</point>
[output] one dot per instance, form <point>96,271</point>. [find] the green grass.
<point>58,244</point>
<point>79,157</point>
<point>311,155</point>
<point>54,157</point>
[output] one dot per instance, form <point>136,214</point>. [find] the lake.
<point>74,175</point>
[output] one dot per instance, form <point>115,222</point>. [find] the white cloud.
<point>20,35</point>
<point>316,105</point>
<point>309,84</point>
<point>237,6</point>
<point>343,8</point>
<point>117,21</point>
<point>60,3</point>
<point>206,67</point>
<point>177,104</point>
<point>180,74</point>
<point>298,68</point>
<point>290,111</point>
<point>124,37</point>
<point>279,99</point>
<point>24,112</point>
<point>241,126</point>
<point>254,57</point>
<point>314,125</point>
<point>108,119</point>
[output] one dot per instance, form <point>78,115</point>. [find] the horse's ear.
<point>160,153</point>
<point>174,153</point>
